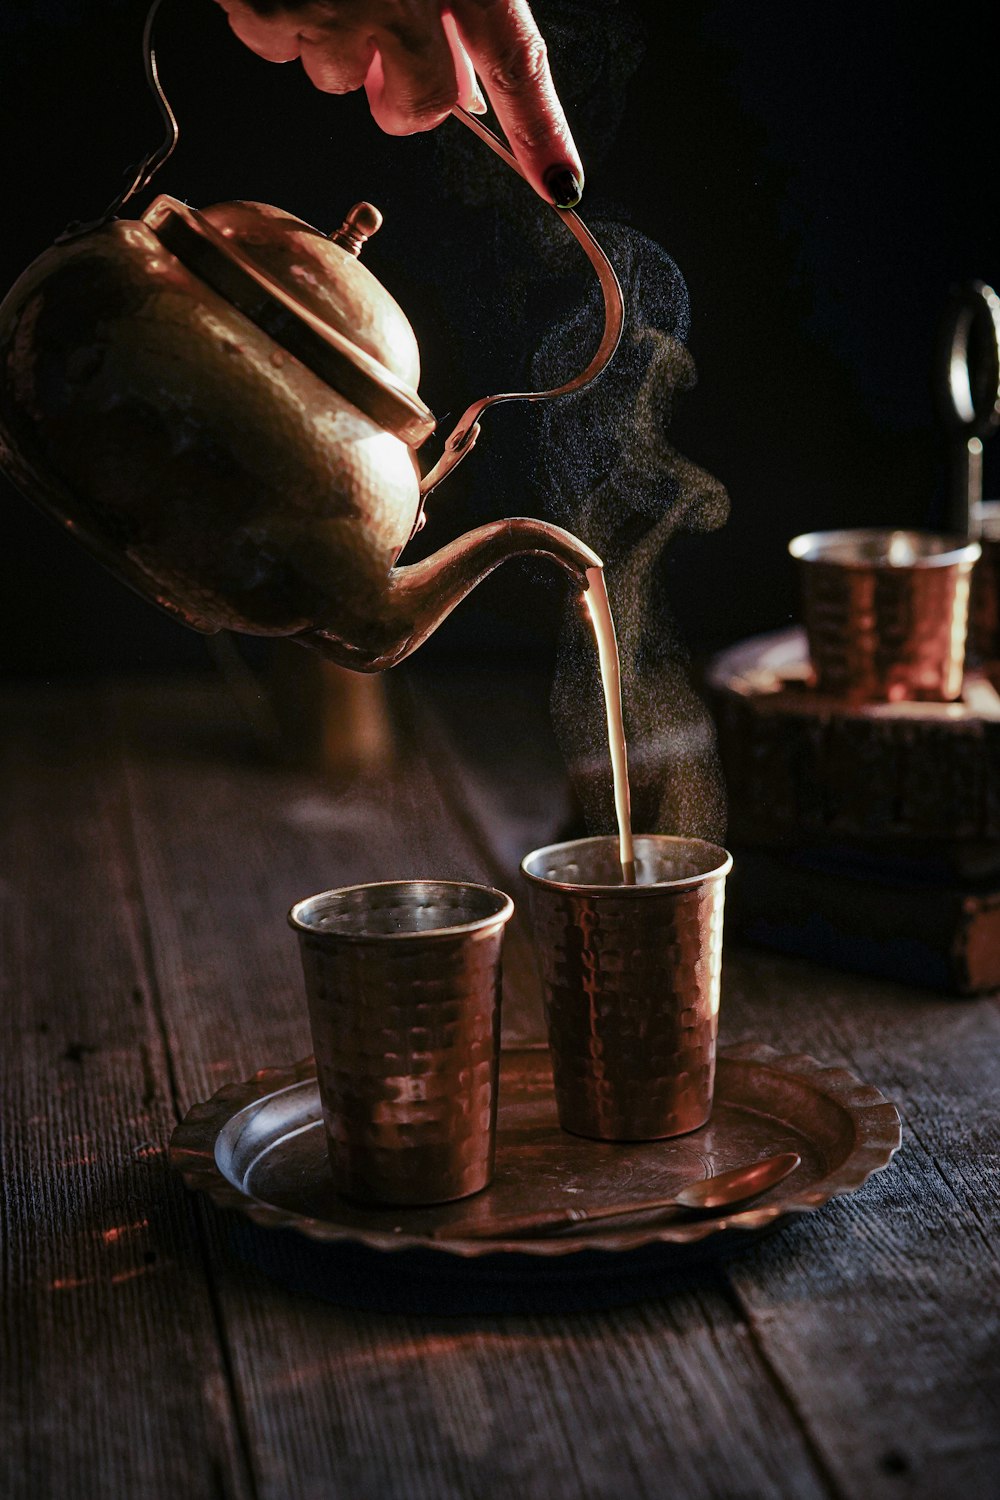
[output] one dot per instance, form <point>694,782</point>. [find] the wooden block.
<point>942,936</point>
<point>914,779</point>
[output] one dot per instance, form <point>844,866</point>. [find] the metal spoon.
<point>720,1191</point>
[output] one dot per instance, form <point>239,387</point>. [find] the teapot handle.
<point>463,438</point>
<point>142,174</point>
<point>465,434</point>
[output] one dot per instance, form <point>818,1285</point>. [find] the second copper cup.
<point>631,976</point>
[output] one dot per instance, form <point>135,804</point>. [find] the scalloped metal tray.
<point>259,1147</point>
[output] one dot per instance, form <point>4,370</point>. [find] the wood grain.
<point>111,1373</point>
<point>804,769</point>
<point>366,1404</point>
<point>879,1315</point>
<point>942,935</point>
<point>149,855</point>
<point>883,1307</point>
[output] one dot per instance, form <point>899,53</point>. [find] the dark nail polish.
<point>565,187</point>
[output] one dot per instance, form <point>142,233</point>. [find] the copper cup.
<point>631,980</point>
<point>403,983</point>
<point>886,612</point>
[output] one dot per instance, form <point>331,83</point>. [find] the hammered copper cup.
<point>631,979</point>
<point>886,612</point>
<point>403,983</point>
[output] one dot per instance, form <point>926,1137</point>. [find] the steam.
<point>600,462</point>
<point>608,472</point>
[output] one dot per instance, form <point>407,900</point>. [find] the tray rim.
<point>878,1137</point>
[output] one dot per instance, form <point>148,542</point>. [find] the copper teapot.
<point>223,406</point>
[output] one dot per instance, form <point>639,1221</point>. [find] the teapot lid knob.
<point>361,223</point>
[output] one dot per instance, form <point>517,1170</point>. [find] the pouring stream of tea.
<point>607,650</point>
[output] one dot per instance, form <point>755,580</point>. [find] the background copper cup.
<point>403,982</point>
<point>886,612</point>
<point>631,978</point>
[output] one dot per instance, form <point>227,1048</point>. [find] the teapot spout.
<point>422,594</point>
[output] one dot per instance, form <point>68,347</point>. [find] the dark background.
<point>820,176</point>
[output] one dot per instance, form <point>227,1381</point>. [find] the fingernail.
<point>564,186</point>
<point>478,105</point>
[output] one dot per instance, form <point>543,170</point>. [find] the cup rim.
<point>722,867</point>
<point>809,547</point>
<point>503,913</point>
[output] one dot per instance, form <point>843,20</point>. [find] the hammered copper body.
<point>631,978</point>
<point>886,612</point>
<point>167,392</point>
<point>403,983</point>
<point>222,405</point>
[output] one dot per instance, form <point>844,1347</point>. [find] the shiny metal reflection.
<point>631,978</point>
<point>403,983</point>
<point>723,1190</point>
<point>886,612</point>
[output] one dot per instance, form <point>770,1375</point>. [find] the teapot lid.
<point>310,294</point>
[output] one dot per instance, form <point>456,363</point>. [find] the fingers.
<point>416,62</point>
<point>415,85</point>
<point>509,55</point>
<point>335,53</point>
<point>470,95</point>
<point>336,58</point>
<point>269,36</point>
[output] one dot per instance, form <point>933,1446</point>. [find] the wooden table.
<point>149,854</point>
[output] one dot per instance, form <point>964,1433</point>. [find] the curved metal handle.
<point>141,175</point>
<point>969,395</point>
<point>463,438</point>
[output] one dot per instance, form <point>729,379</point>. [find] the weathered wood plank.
<point>868,1364</point>
<point>111,1379</point>
<point>227,842</point>
<point>879,1317</point>
<point>805,769</point>
<point>665,1398</point>
<point>341,1403</point>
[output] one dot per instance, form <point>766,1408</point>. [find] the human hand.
<point>416,59</point>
